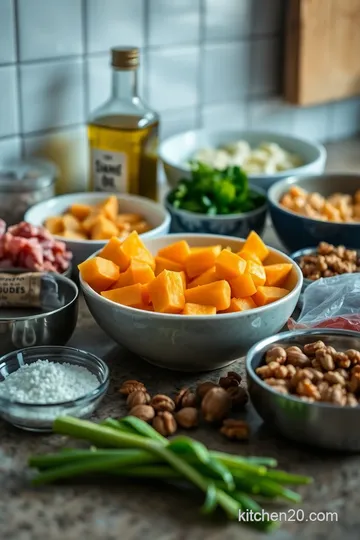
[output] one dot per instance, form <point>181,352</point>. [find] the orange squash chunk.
<point>70,223</point>
<point>229,265</point>
<point>80,211</point>
<point>73,235</point>
<point>131,295</point>
<point>241,304</point>
<point>167,264</point>
<point>54,224</point>
<point>254,244</point>
<point>216,294</point>
<point>198,309</point>
<point>110,207</point>
<point>257,273</point>
<point>177,252</point>
<point>183,277</point>
<point>99,273</point>
<point>242,286</point>
<point>146,307</point>
<point>145,293</point>
<point>138,272</point>
<point>103,229</point>
<point>247,256</point>
<point>90,221</point>
<point>276,274</point>
<point>167,292</point>
<point>121,252</point>
<point>112,252</point>
<point>200,261</point>
<point>267,295</point>
<point>206,277</point>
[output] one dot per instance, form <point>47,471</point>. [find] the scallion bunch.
<point>131,448</point>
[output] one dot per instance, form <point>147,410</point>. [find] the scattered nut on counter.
<point>338,207</point>
<point>214,401</point>
<point>329,261</point>
<point>314,372</point>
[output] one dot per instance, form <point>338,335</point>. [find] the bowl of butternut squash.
<point>86,221</point>
<point>190,302</point>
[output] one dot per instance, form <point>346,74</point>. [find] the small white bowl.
<point>176,151</point>
<point>153,212</point>
<point>189,342</point>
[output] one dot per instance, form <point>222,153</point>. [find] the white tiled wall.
<point>204,63</point>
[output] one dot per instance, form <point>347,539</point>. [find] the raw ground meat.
<point>26,246</point>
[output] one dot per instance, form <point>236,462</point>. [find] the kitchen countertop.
<point>131,511</point>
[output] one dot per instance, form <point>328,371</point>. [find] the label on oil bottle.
<point>109,171</point>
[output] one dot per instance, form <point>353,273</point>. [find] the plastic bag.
<point>331,303</point>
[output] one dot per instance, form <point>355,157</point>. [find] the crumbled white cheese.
<point>44,382</point>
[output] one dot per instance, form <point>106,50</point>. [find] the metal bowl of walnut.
<point>306,384</point>
<point>325,261</point>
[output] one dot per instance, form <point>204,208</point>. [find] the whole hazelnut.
<point>204,387</point>
<point>144,412</point>
<point>228,382</point>
<point>188,417</point>
<point>137,398</point>
<point>161,402</point>
<point>216,405</point>
<point>165,423</point>
<point>234,375</point>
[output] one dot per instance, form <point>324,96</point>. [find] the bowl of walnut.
<point>326,261</point>
<point>306,384</point>
<point>307,210</point>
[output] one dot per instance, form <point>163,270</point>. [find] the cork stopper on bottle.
<point>125,57</point>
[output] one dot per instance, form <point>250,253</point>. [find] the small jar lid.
<point>125,57</point>
<point>27,175</point>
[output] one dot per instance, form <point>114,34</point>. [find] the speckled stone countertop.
<point>133,511</point>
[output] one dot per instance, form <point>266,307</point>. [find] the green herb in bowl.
<point>215,192</point>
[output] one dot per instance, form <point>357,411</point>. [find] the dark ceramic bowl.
<point>238,225</point>
<point>298,232</point>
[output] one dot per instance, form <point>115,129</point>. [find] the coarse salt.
<point>44,382</point>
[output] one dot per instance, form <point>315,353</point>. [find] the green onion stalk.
<point>130,448</point>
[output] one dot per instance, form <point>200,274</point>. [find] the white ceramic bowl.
<point>153,212</point>
<point>177,150</point>
<point>194,343</point>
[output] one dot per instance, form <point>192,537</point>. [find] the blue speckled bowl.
<point>298,232</point>
<point>238,225</point>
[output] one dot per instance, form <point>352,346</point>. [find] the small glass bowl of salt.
<point>38,384</point>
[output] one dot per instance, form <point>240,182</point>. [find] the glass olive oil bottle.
<point>123,134</point>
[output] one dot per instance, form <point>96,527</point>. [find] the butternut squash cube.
<point>112,252</point>
<point>198,309</point>
<point>254,244</point>
<point>90,221</point>
<point>241,304</point>
<point>70,223</point>
<point>54,224</point>
<point>73,235</point>
<point>131,295</point>
<point>80,211</point>
<point>103,229</point>
<point>229,265</point>
<point>206,277</point>
<point>200,261</point>
<point>242,286</point>
<point>167,292</point>
<point>131,219</point>
<point>247,256</point>
<point>99,273</point>
<point>132,247</point>
<point>167,264</point>
<point>138,272</point>
<point>177,252</point>
<point>110,207</point>
<point>267,295</point>
<point>257,273</point>
<point>276,274</point>
<point>217,294</point>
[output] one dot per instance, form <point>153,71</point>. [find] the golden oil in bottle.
<point>123,135</point>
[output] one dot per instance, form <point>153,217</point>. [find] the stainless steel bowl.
<point>28,327</point>
<point>317,424</point>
